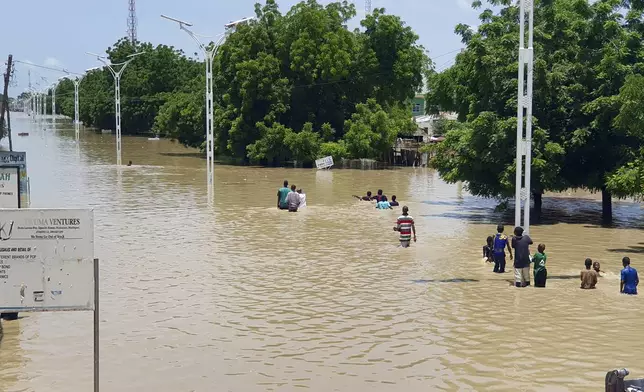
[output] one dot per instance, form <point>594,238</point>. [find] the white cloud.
<point>53,62</point>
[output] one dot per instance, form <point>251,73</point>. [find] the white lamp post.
<point>34,105</point>
<point>44,93</point>
<point>77,82</point>
<point>117,94</point>
<point>38,105</point>
<point>209,54</point>
<point>524,101</point>
<point>53,103</point>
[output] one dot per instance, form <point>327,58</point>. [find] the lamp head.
<point>238,22</point>
<point>98,56</point>
<point>181,22</point>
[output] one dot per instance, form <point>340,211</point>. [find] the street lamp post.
<point>44,106</point>
<point>117,94</point>
<point>45,93</point>
<point>524,102</point>
<point>53,103</point>
<point>209,54</point>
<point>77,82</point>
<point>34,106</point>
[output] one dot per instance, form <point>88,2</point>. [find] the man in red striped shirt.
<point>405,226</point>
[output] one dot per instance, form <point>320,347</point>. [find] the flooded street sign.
<point>324,163</point>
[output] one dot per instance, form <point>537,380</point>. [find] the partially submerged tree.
<point>583,52</point>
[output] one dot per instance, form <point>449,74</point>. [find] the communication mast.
<point>367,6</point>
<point>131,22</point>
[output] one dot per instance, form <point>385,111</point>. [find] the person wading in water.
<point>498,254</point>
<point>521,244</point>
<point>405,226</point>
<point>281,196</point>
<point>293,200</point>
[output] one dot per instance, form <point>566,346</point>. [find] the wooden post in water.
<point>9,127</point>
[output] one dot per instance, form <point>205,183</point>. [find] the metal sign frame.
<point>18,193</point>
<point>95,310</point>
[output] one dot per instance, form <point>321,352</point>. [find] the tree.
<point>303,70</point>
<point>307,67</point>
<point>271,147</point>
<point>628,180</point>
<point>372,131</point>
<point>182,118</point>
<point>304,145</point>
<point>145,85</point>
<point>583,52</point>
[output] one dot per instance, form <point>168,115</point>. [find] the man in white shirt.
<point>302,198</point>
<point>293,200</point>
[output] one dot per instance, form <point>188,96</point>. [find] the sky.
<point>59,33</point>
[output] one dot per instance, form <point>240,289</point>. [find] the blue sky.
<point>58,33</point>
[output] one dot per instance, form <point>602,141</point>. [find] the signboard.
<point>46,259</point>
<point>15,159</point>
<point>324,163</point>
<point>9,187</point>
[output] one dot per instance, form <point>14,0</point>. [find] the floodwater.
<point>239,296</point>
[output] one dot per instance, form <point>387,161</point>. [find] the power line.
<point>45,67</point>
<point>445,54</point>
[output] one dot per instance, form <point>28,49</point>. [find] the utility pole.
<point>524,102</point>
<point>5,100</point>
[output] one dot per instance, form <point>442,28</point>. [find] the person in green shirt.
<point>281,196</point>
<point>540,272</point>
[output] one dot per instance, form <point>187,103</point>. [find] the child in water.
<point>597,268</point>
<point>488,249</point>
<point>540,272</point>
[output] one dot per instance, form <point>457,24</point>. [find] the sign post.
<point>96,323</point>
<point>47,264</point>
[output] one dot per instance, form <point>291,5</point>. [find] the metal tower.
<point>132,22</point>
<point>367,6</point>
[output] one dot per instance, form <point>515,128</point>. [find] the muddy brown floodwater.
<point>239,296</point>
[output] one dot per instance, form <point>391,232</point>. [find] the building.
<point>418,105</point>
<point>406,151</point>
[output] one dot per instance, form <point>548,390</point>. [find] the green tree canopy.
<point>286,86</point>
<point>583,52</point>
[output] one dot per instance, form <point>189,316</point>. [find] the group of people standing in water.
<point>381,200</point>
<point>405,224</point>
<point>494,251</point>
<point>290,199</point>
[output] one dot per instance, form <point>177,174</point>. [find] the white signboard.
<point>9,187</point>
<point>324,163</point>
<point>46,259</point>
